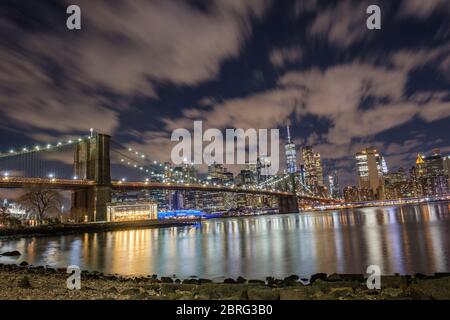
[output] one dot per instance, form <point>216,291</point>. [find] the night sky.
<point>140,69</point>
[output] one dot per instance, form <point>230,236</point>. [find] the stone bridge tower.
<point>92,162</point>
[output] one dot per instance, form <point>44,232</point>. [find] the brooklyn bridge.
<point>92,183</point>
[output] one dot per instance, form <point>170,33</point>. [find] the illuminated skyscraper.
<point>313,168</point>
<point>333,185</point>
<point>291,154</point>
<point>446,161</point>
<point>370,169</point>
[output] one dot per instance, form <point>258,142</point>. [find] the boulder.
<point>334,277</point>
<point>14,253</point>
<point>317,276</point>
<point>23,264</point>
<point>190,281</point>
<point>168,288</point>
<point>203,281</point>
<point>166,280</point>
<point>241,280</point>
<point>229,280</point>
<point>260,282</point>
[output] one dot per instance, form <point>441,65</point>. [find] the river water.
<point>405,240</point>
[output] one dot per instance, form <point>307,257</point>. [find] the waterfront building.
<point>351,194</point>
<point>290,154</point>
<point>132,211</point>
<point>396,185</point>
<point>369,165</point>
<point>434,163</point>
<point>14,210</point>
<point>245,178</point>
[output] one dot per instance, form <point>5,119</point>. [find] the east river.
<point>405,240</point>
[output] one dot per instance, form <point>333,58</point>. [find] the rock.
<point>293,277</point>
<point>263,294</point>
<point>260,282</point>
<point>23,264</point>
<point>229,280</point>
<point>317,276</point>
<point>166,280</point>
<point>168,288</point>
<point>177,281</point>
<point>25,283</point>
<point>273,283</point>
<point>14,253</point>
<point>437,289</point>
<point>131,292</point>
<point>241,280</point>
<point>190,281</point>
<point>152,286</point>
<point>334,277</point>
<point>438,275</point>
<point>352,277</point>
<point>202,281</point>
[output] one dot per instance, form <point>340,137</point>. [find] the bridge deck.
<point>69,184</point>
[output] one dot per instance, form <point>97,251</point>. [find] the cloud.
<point>64,81</point>
<point>422,9</point>
<point>32,101</point>
<point>281,57</point>
<point>342,24</point>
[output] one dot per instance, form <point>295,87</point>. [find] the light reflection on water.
<point>404,240</point>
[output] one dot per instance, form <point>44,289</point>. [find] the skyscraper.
<point>333,185</point>
<point>446,161</point>
<point>369,165</point>
<point>313,168</point>
<point>290,153</point>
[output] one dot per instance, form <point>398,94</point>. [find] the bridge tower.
<point>92,162</point>
<point>289,204</point>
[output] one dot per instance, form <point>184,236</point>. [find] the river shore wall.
<point>78,228</point>
<point>24,282</point>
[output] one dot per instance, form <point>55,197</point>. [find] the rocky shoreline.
<point>25,282</point>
